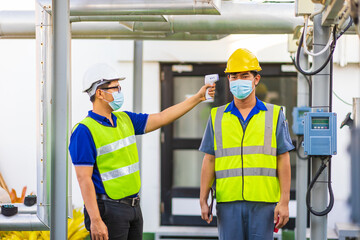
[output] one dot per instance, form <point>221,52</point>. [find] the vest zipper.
<point>242,161</point>
<point>242,157</point>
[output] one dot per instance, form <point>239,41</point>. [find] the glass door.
<point>180,158</point>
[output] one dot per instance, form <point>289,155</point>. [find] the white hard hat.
<point>97,75</point>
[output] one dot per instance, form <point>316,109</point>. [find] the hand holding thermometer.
<point>210,79</point>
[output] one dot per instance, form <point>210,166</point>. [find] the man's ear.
<point>99,94</point>
<point>257,80</point>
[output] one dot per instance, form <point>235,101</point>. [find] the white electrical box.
<point>303,7</point>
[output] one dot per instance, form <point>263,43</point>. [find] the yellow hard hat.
<point>242,60</point>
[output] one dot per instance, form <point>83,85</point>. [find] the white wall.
<point>17,121</point>
<point>346,86</point>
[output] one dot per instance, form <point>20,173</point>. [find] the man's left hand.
<point>281,212</point>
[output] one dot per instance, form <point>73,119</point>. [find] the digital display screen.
<point>320,123</point>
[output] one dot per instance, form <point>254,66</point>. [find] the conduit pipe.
<point>43,108</point>
<point>22,222</point>
<point>139,7</point>
<point>132,18</point>
<point>236,18</point>
<point>17,24</point>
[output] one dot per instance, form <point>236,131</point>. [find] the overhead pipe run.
<point>236,18</point>
<point>17,24</point>
<point>139,7</point>
<point>132,18</point>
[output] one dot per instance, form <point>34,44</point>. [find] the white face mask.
<point>118,100</point>
<point>241,88</point>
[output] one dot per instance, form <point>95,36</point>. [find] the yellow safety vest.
<point>245,159</point>
<point>117,156</point>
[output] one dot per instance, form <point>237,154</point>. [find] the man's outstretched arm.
<point>172,113</point>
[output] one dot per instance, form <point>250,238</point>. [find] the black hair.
<point>106,84</point>
<point>254,73</point>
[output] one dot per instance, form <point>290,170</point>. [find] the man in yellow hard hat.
<point>103,150</point>
<point>246,145</point>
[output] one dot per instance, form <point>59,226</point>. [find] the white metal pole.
<point>137,89</point>
<point>320,100</point>
<point>43,88</point>
<point>60,113</point>
<point>301,164</point>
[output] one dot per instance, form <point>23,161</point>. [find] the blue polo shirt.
<point>284,143</point>
<point>82,147</point>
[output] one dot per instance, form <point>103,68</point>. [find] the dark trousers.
<point>124,222</point>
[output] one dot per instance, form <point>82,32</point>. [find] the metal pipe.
<point>137,86</point>
<point>320,100</point>
<point>301,164</point>
<point>127,18</point>
<point>355,177</point>
<point>17,24</point>
<point>356,112</point>
<point>270,18</point>
<point>43,109</point>
<point>355,163</point>
<point>236,18</point>
<point>22,222</point>
<point>139,7</point>
<point>60,118</point>
<point>25,209</point>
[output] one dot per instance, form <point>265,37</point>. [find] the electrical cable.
<point>341,99</point>
<point>331,85</point>
<point>307,72</point>
<point>346,28</point>
<point>298,149</point>
<point>323,165</point>
<point>304,40</point>
<point>308,195</point>
<point>309,80</point>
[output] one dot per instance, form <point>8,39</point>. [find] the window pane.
<point>281,91</point>
<point>192,124</point>
<point>187,168</point>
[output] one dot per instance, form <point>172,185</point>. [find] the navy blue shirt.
<point>82,147</point>
<point>284,143</point>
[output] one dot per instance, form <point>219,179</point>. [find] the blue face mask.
<point>118,100</point>
<point>241,89</point>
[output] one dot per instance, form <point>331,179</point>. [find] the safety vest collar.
<point>233,109</point>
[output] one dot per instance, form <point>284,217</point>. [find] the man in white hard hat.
<point>103,150</point>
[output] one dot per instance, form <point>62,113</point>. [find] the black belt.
<point>128,200</point>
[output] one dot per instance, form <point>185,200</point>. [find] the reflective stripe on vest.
<point>117,157</point>
<point>116,145</point>
<point>120,172</point>
<point>245,164</point>
<point>237,172</point>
